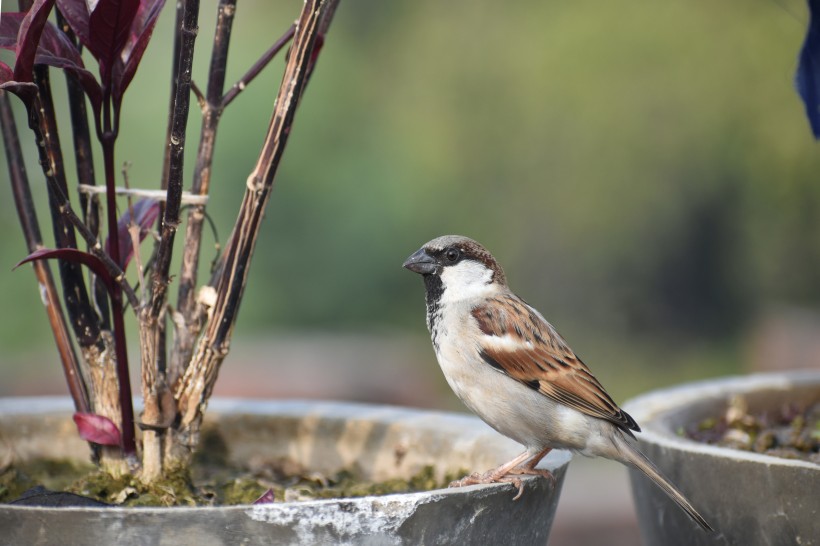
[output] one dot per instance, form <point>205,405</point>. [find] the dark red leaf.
<point>76,13</point>
<point>26,91</point>
<point>54,49</point>
<point>108,30</point>
<point>6,73</point>
<point>58,51</point>
<point>73,255</point>
<point>9,27</point>
<point>98,429</point>
<point>141,30</point>
<point>28,38</point>
<point>145,214</point>
<point>266,498</point>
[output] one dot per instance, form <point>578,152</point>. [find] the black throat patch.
<point>434,288</point>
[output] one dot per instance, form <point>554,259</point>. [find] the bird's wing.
<point>520,343</point>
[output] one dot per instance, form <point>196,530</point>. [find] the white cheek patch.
<point>465,280</point>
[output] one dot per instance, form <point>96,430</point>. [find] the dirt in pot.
<point>790,432</point>
<point>211,480</point>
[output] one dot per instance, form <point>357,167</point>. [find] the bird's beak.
<point>421,262</point>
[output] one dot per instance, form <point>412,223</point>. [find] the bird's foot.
<point>490,477</point>
<point>511,476</point>
<point>527,471</point>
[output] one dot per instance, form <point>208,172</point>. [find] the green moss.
<point>13,483</point>
<point>226,486</point>
<point>175,489</point>
<point>57,474</point>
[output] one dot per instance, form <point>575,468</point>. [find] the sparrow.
<point>512,368</point>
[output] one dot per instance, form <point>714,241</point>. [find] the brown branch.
<point>195,387</point>
<point>31,231</point>
<point>152,316</point>
<point>257,67</point>
<point>211,104</point>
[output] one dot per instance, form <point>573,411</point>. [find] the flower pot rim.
<point>462,423</point>
<point>650,410</point>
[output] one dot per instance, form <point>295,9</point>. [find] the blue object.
<point>807,78</point>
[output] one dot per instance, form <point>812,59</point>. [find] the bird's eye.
<point>452,255</point>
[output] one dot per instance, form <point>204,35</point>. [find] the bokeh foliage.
<point>643,169</point>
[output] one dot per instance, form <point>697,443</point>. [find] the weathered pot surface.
<point>380,442</point>
<point>748,497</point>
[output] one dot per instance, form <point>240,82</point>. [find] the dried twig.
<point>196,384</point>
<point>187,198</point>
<point>188,324</point>
<point>176,142</point>
<point>257,67</point>
<point>152,318</point>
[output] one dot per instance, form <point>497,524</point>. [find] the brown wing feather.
<point>544,361</point>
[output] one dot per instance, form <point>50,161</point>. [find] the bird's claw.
<point>526,471</point>
<point>511,477</point>
<point>490,477</point>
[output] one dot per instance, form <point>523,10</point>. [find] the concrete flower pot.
<point>749,498</point>
<point>381,442</point>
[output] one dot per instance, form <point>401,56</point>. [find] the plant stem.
<point>31,231</point>
<point>176,144</point>
<point>212,107</point>
<point>95,248</point>
<point>195,386</point>
<point>83,319</point>
<point>129,446</point>
<point>152,316</point>
<point>257,67</point>
<point>85,168</point>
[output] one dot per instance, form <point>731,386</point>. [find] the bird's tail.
<point>631,455</point>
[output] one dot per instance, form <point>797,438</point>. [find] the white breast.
<point>511,408</point>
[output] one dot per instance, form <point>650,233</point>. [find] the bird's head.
<point>458,266</point>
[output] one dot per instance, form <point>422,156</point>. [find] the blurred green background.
<point>643,170</point>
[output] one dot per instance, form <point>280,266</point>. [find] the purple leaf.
<point>76,13</point>
<point>98,429</point>
<point>9,27</point>
<point>58,51</point>
<point>108,30</point>
<point>28,38</point>
<point>145,214</point>
<point>54,49</point>
<point>26,91</point>
<point>138,38</point>
<point>73,255</point>
<point>6,73</point>
<point>266,498</point>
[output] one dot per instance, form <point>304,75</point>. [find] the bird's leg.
<point>496,475</point>
<point>529,469</point>
<point>508,472</point>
